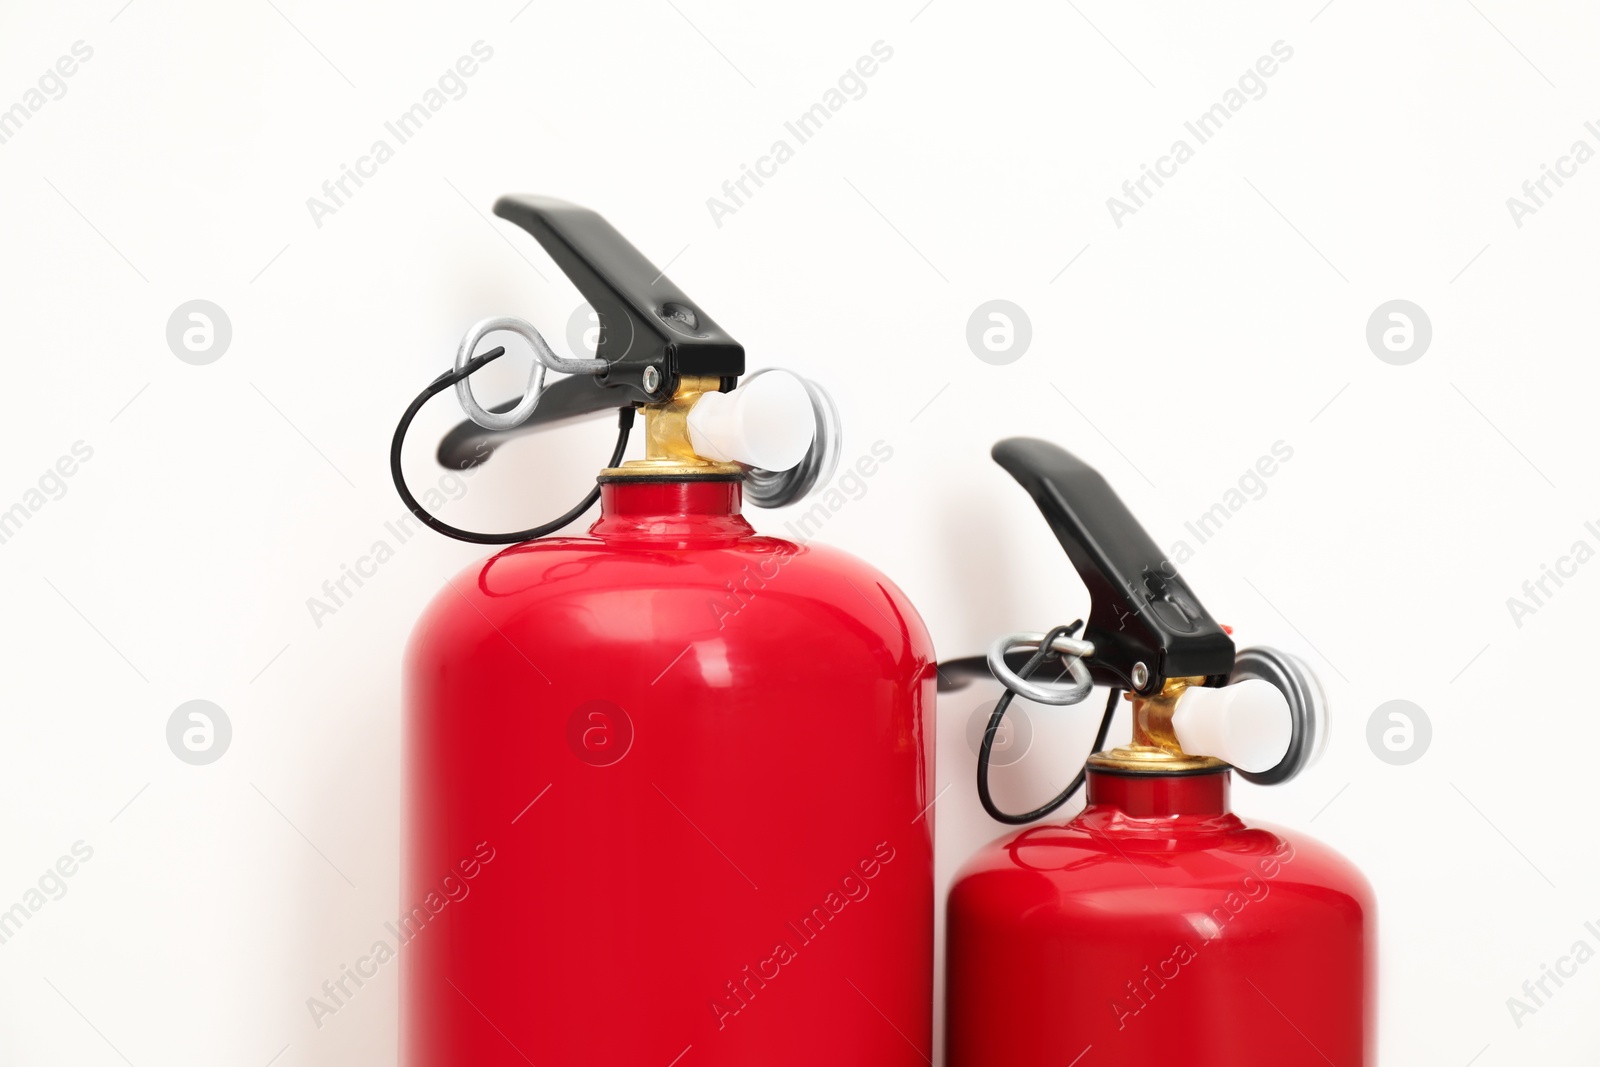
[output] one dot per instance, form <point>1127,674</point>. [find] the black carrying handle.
<point>1142,611</point>
<point>645,321</point>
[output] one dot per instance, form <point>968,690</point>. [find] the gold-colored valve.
<point>667,448</point>
<point>1154,746</point>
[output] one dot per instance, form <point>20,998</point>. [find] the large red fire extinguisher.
<point>1156,926</point>
<point>666,782</point>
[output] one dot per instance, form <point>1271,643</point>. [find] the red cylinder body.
<point>666,789</point>
<point>1156,927</point>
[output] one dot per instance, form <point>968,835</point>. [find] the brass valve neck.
<point>1154,747</point>
<point>668,450</point>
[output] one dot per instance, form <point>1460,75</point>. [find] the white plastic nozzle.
<point>1246,724</point>
<point>767,422</point>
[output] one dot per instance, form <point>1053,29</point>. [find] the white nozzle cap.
<point>767,422</point>
<point>1246,724</point>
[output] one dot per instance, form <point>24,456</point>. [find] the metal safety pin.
<point>1073,653</point>
<point>544,359</point>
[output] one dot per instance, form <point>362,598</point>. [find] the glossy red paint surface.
<point>1156,927</point>
<point>698,760</point>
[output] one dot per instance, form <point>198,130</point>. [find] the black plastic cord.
<point>999,714</point>
<point>445,381</point>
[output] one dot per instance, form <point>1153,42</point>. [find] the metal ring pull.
<point>1059,641</point>
<point>544,358</point>
<point>1073,653</point>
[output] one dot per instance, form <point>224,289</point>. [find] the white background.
<point>1227,314</point>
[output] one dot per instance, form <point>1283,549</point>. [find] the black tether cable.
<point>999,714</point>
<point>445,381</point>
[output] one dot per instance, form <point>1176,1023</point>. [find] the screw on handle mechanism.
<point>783,434</point>
<point>651,333</point>
<point>1146,628</point>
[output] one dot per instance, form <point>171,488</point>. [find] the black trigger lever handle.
<point>1145,622</point>
<point>651,333</point>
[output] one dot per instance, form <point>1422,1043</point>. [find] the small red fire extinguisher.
<point>667,781</point>
<point>1155,926</point>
